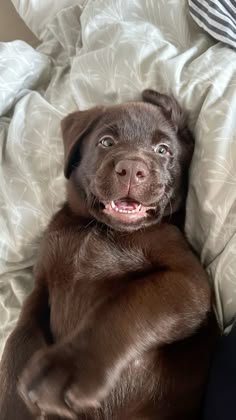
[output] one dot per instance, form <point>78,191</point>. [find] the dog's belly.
<point>154,386</point>
<point>139,377</point>
<point>150,384</point>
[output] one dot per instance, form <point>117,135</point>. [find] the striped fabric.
<point>217,17</point>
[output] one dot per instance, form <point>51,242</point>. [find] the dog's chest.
<point>102,255</point>
<point>89,268</point>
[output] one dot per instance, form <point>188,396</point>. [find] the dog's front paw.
<point>63,382</point>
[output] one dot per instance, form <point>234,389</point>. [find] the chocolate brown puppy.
<point>120,323</point>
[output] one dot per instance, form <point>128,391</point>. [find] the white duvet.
<point>108,51</point>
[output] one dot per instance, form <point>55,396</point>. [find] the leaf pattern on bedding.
<point>107,53</point>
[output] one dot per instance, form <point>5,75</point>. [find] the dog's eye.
<point>162,149</point>
<point>106,141</point>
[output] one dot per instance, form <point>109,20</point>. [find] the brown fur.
<point>119,324</point>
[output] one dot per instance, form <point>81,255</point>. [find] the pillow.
<point>217,17</point>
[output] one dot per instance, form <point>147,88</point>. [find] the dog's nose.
<point>131,171</point>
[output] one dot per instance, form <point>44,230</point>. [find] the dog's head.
<point>127,164</point>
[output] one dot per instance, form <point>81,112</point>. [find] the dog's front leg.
<point>31,334</point>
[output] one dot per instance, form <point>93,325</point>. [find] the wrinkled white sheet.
<point>106,52</point>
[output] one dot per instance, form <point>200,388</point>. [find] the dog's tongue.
<point>125,204</point>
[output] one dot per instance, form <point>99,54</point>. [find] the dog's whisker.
<point>89,224</point>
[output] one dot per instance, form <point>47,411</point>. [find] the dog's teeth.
<point>114,207</point>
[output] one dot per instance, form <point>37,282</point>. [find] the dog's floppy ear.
<point>173,111</point>
<point>74,127</point>
<point>169,106</point>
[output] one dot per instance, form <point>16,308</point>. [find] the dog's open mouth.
<point>126,206</point>
<point>126,209</point>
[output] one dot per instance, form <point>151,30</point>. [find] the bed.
<point>104,52</point>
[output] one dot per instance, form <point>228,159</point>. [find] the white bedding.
<point>108,51</point>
